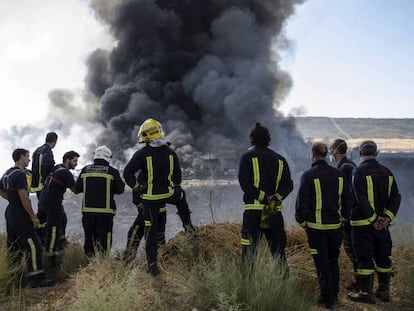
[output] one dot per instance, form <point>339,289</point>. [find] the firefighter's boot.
<point>186,221</point>
<point>40,280</point>
<point>383,290</point>
<point>365,295</point>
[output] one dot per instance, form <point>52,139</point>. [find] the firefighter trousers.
<point>324,247</point>
<point>98,233</point>
<point>252,233</point>
<point>372,245</point>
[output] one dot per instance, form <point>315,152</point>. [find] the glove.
<point>274,202</point>
<point>140,207</point>
<point>136,193</point>
<point>36,222</point>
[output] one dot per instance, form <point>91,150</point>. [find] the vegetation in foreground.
<point>198,273</point>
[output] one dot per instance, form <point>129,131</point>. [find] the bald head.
<point>319,151</point>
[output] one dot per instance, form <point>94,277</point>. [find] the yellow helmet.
<point>151,129</point>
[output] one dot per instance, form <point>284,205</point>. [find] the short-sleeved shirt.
<point>13,180</point>
<point>59,179</point>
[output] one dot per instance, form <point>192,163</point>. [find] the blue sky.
<point>352,58</point>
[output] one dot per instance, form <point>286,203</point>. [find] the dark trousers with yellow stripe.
<point>56,221</point>
<point>136,232</point>
<point>324,246</point>
<point>372,245</point>
<point>98,233</point>
<point>22,237</point>
<point>252,233</point>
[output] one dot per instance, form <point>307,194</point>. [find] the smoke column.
<point>204,68</point>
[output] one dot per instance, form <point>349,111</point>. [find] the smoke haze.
<point>205,69</point>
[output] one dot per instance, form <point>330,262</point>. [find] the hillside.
<point>390,134</point>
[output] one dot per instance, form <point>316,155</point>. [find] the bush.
<point>264,285</point>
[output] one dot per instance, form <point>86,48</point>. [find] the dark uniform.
<point>42,163</point>
<point>377,195</point>
<point>21,235</point>
<point>59,179</point>
<point>263,173</point>
<point>99,182</point>
<point>323,196</point>
<point>161,177</point>
<point>346,167</point>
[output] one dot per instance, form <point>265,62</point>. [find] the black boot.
<point>186,221</point>
<point>365,295</point>
<point>40,280</point>
<point>383,290</point>
<point>153,268</point>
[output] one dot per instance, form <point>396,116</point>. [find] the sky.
<point>349,58</point>
<point>352,58</point>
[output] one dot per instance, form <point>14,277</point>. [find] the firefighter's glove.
<point>140,207</point>
<point>36,222</point>
<point>274,203</point>
<point>136,193</point>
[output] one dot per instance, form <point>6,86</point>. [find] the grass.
<point>202,272</point>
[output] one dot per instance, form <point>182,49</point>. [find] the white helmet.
<point>103,152</point>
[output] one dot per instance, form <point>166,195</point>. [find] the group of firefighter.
<point>349,203</point>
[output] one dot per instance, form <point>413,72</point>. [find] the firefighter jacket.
<point>346,168</point>
<point>323,196</point>
<point>376,193</point>
<point>13,180</point>
<point>99,182</point>
<point>263,173</point>
<point>59,179</point>
<point>42,163</point>
<point>159,171</point>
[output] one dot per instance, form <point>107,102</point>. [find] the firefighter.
<point>265,179</point>
<point>42,164</point>
<point>378,201</point>
<point>99,182</point>
<point>21,221</point>
<point>323,195</point>
<point>160,169</point>
<point>60,178</point>
<point>337,151</point>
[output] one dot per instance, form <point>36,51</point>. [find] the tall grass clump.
<point>10,276</point>
<point>107,285</point>
<point>262,284</point>
<point>404,261</point>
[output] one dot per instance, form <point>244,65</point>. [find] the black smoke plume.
<point>206,69</point>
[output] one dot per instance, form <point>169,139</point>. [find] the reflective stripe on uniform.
<point>52,240</point>
<point>384,270</point>
<point>279,175</point>
<point>147,223</point>
<point>150,173</point>
<point>256,177</point>
<point>245,242</point>
<point>313,251</point>
<point>365,271</point>
<point>370,192</point>
<point>253,207</point>
<point>33,254</point>
<point>364,222</point>
<point>318,201</point>
<point>108,243</point>
<point>163,209</point>
<point>340,190</point>
<point>323,226</point>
